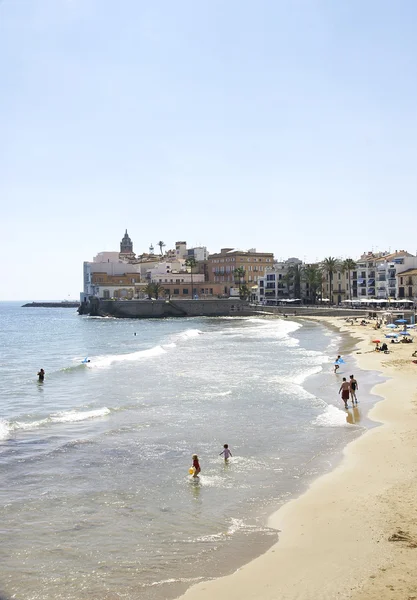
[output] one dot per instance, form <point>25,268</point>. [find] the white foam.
<point>74,416</point>
<point>106,361</point>
<point>190,333</point>
<point>4,429</point>
<point>332,417</point>
<point>71,416</point>
<point>172,580</point>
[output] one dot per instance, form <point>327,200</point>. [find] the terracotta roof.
<point>393,255</point>
<point>408,272</point>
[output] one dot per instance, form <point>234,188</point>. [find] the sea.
<point>96,499</point>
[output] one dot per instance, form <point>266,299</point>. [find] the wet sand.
<point>353,533</point>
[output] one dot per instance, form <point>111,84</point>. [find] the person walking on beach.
<point>353,387</point>
<point>336,363</point>
<point>226,452</point>
<point>41,375</point>
<point>345,389</point>
<point>196,465</point>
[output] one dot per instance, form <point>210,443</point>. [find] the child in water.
<point>226,452</point>
<point>196,465</point>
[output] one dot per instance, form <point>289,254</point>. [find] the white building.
<point>200,253</point>
<point>108,263</point>
<point>275,285</point>
<point>376,275</point>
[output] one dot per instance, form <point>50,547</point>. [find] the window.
<point>176,291</point>
<point>106,294</point>
<point>185,291</point>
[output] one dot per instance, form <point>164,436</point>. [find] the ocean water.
<point>95,496</point>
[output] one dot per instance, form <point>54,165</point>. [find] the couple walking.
<point>348,388</point>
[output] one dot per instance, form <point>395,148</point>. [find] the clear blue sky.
<point>289,126</point>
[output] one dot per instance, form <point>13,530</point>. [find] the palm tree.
<point>312,275</point>
<point>296,272</point>
<point>349,265</point>
<point>149,290</point>
<point>161,245</point>
<point>331,265</point>
<point>288,280</point>
<point>154,290</point>
<point>239,274</point>
<point>191,264</point>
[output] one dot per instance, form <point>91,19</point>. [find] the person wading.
<point>345,389</point>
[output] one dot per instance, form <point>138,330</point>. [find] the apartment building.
<point>276,283</point>
<point>375,276</point>
<point>407,285</point>
<point>222,266</point>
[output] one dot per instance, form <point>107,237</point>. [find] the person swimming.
<point>41,375</point>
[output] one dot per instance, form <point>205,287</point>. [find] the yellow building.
<point>407,284</point>
<point>221,267</point>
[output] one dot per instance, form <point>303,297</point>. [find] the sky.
<point>286,126</point>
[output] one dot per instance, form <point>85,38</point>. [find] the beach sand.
<point>353,533</point>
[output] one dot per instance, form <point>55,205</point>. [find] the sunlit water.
<point>96,499</point>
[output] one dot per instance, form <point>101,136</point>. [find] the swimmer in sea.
<point>41,375</point>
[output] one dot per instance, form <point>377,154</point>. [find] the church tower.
<point>126,246</point>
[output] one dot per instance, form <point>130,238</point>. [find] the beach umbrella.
<point>401,321</point>
<point>392,326</point>
<point>376,341</point>
<point>391,335</point>
<point>404,333</point>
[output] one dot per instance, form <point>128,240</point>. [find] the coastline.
<point>352,534</point>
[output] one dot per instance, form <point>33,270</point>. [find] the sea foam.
<point>332,417</point>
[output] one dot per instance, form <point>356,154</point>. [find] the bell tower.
<point>126,246</point>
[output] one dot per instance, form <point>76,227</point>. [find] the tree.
<point>313,276</point>
<point>244,292</point>
<point>296,272</point>
<point>239,275</point>
<point>161,245</point>
<point>154,290</point>
<point>331,265</point>
<point>288,280</point>
<point>349,265</point>
<point>191,264</point>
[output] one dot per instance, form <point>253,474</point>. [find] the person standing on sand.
<point>345,389</point>
<point>353,387</point>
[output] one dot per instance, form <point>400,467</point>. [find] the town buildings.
<point>222,269</point>
<point>383,276</point>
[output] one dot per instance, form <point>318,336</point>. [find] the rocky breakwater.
<point>148,309</point>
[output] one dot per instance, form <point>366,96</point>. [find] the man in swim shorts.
<point>345,389</point>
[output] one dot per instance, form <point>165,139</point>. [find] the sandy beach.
<point>353,533</point>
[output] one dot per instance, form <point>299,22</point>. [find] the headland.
<point>353,533</point>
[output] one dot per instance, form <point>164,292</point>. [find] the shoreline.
<point>352,533</point>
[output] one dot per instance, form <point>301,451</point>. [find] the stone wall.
<point>146,309</point>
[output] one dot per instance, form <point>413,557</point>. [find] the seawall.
<point>148,309</point>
